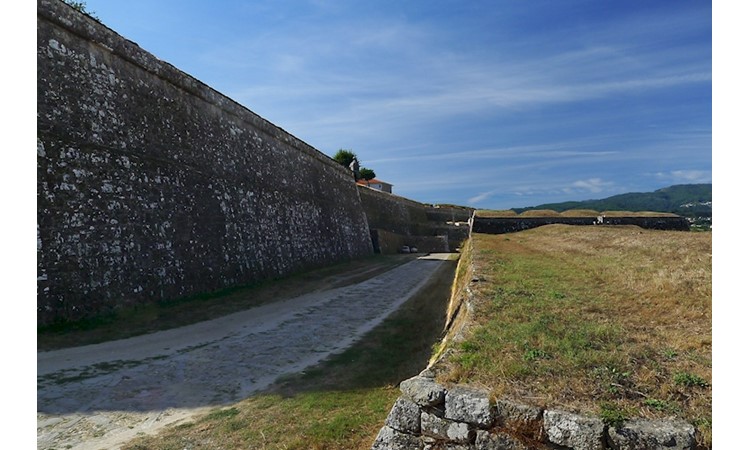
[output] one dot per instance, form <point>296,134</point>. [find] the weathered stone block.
<point>519,418</point>
<point>390,439</point>
<point>497,441</point>
<point>574,431</point>
<point>423,391</point>
<point>446,446</point>
<point>404,416</point>
<point>469,405</point>
<point>656,435</point>
<point>442,429</point>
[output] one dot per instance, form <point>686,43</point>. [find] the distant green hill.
<point>689,200</point>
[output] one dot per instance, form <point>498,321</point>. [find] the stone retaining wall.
<point>431,416</point>
<point>389,243</point>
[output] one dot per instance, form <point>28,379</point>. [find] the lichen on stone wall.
<point>151,185</point>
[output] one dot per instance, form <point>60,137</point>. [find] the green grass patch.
<point>613,415</point>
<point>690,380</point>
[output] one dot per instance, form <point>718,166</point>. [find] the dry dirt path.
<point>100,396</point>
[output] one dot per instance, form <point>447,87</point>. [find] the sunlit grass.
<point>606,320</point>
<point>309,420</point>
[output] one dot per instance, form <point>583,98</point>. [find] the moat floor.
<point>101,396</point>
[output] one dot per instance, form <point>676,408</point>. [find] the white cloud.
<point>686,176</point>
<point>481,197</point>
<point>594,185</point>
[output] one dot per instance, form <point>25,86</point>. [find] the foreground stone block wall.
<point>151,185</point>
<point>429,415</point>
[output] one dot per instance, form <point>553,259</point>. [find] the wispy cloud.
<point>593,185</point>
<point>480,198</point>
<point>572,149</point>
<point>411,82</point>
<point>685,176</point>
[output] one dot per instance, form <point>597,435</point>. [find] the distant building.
<point>377,184</point>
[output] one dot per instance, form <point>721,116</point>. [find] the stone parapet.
<point>429,415</point>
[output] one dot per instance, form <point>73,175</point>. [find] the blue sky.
<point>494,104</point>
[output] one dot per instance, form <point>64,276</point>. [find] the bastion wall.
<point>151,185</point>
<point>397,221</point>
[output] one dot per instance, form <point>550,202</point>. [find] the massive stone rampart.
<point>393,213</point>
<point>151,185</point>
<point>396,221</point>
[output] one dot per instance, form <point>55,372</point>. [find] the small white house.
<point>377,184</point>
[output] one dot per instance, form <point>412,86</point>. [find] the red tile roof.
<point>373,181</point>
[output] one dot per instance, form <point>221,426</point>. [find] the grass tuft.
<point>613,415</point>
<point>690,380</point>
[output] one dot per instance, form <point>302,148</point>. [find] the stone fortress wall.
<point>151,185</point>
<point>396,222</point>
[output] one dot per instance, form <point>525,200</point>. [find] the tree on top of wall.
<point>366,174</point>
<point>345,158</point>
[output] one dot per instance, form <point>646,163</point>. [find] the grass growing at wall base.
<point>339,404</point>
<point>142,319</point>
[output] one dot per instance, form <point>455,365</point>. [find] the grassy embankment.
<point>609,321</point>
<point>339,404</point>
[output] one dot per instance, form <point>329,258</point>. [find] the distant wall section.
<point>500,225</point>
<point>151,185</point>
<point>397,221</point>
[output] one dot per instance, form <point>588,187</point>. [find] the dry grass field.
<point>610,321</point>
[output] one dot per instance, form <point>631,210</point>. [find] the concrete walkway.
<point>101,396</point>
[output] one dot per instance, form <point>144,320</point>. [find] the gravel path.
<point>100,396</point>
